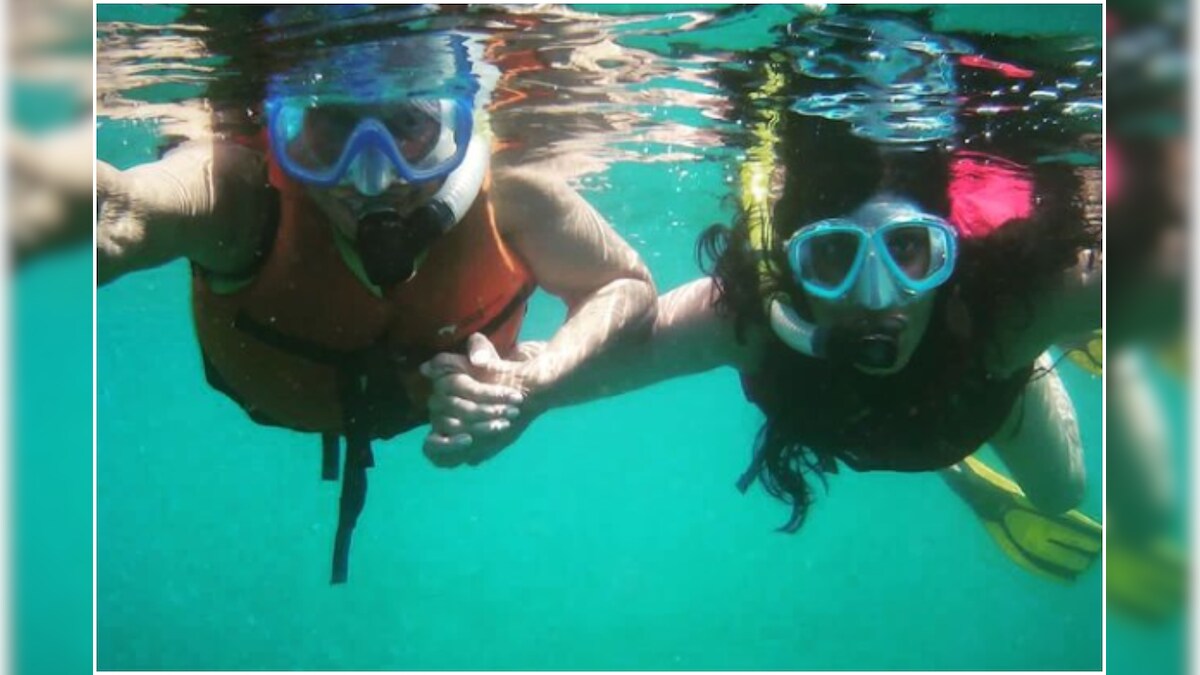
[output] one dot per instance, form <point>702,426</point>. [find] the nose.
<point>372,172</point>
<point>875,289</point>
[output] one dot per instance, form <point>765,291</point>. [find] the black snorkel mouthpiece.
<point>869,343</point>
<point>878,351</point>
<point>390,245</point>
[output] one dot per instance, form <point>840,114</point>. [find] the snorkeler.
<point>887,297</point>
<point>361,234</point>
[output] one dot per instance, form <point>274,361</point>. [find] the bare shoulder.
<point>224,165</point>
<point>197,179</point>
<point>526,180</point>
<point>216,152</point>
<point>530,197</point>
<point>239,159</point>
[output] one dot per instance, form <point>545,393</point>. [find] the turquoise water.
<point>1134,647</point>
<point>50,316</point>
<point>52,465</point>
<point>610,537</point>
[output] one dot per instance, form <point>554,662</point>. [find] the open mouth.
<point>870,342</point>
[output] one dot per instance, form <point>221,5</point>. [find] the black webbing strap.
<point>350,506</point>
<point>354,473</point>
<point>361,410</point>
<point>330,449</point>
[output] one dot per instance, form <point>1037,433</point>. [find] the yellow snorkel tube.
<point>757,181</point>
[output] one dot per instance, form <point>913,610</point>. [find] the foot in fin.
<point>1053,546</point>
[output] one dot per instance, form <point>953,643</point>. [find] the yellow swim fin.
<point>1089,356</point>
<point>1146,580</point>
<point>1054,546</point>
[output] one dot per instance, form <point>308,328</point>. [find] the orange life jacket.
<point>309,345</point>
<point>279,346</point>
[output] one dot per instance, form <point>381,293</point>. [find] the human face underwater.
<point>869,277</point>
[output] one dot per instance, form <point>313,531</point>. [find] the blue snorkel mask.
<point>371,115</point>
<point>374,114</point>
<point>370,146</point>
<point>883,266</point>
<point>891,82</point>
<point>886,256</point>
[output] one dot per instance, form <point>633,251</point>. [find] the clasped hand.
<point>480,402</point>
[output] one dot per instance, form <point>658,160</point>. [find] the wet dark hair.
<point>829,172</point>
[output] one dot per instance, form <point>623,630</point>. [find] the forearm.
<point>616,318</point>
<point>685,337</point>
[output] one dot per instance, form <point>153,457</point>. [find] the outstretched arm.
<point>689,337</point>
<point>469,422</point>
<point>204,201</point>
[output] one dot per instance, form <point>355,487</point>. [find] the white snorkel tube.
<point>802,336</point>
<point>449,205</point>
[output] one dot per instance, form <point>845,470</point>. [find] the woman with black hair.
<point>887,302</point>
<point>851,360</point>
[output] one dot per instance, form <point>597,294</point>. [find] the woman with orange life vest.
<point>882,298</point>
<point>361,235</point>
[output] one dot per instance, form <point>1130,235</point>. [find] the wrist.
<point>536,384</point>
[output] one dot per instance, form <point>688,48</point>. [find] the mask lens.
<point>911,250</point>
<point>919,250</point>
<point>423,134</point>
<point>422,131</point>
<point>314,138</point>
<point>827,258</point>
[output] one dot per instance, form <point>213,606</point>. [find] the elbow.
<point>647,306</point>
<point>644,303</point>
<point>640,302</point>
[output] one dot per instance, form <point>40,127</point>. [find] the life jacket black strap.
<point>374,404</point>
<point>330,449</point>
<point>291,344</point>
<point>350,505</point>
<point>354,394</point>
<point>517,303</point>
